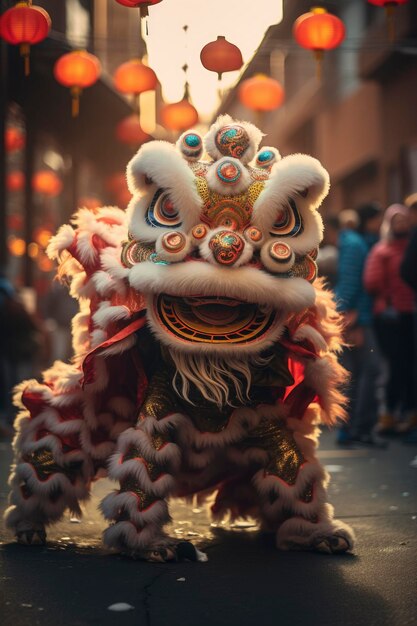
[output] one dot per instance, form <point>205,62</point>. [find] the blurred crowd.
<point>369,257</point>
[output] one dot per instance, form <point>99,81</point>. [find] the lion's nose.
<point>227,247</point>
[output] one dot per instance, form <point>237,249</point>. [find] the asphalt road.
<point>246,581</point>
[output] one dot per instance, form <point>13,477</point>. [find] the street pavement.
<point>246,581</point>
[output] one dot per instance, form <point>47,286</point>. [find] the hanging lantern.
<point>179,115</point>
<point>131,132</point>
<point>14,139</point>
<point>42,236</point>
<point>261,93</point>
<point>15,181</point>
<point>77,70</point>
<point>133,77</point>
<point>390,7</point>
<point>16,245</point>
<point>318,31</point>
<point>142,5</point>
<point>25,25</point>
<point>47,183</point>
<point>221,56</point>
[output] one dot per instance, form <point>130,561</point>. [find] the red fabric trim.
<point>87,365</point>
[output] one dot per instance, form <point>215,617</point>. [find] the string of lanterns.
<point>26,24</point>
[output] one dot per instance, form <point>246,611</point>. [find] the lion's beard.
<point>220,380</point>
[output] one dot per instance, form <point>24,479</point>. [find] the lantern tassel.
<point>24,52</point>
<point>318,55</point>
<point>390,15</point>
<point>75,108</point>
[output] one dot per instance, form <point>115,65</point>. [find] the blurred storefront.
<point>79,158</point>
<point>360,120</point>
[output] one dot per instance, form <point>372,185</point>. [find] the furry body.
<point>205,352</point>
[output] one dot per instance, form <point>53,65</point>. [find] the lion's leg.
<point>145,465</point>
<point>51,472</point>
<point>292,490</point>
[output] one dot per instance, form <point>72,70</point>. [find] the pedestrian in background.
<point>359,231</point>
<point>393,310</point>
<point>328,255</point>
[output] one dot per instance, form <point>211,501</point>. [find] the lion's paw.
<point>31,537</point>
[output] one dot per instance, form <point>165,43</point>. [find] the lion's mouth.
<point>213,319</point>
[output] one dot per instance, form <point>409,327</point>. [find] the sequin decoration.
<point>191,145</point>
<point>173,242</point>
<point>284,454</point>
<point>253,234</point>
<point>160,398</point>
<point>232,141</point>
<point>304,267</point>
<point>199,231</point>
<point>288,222</point>
<point>227,247</point>
<point>265,159</point>
<point>280,252</point>
<point>162,212</point>
<point>44,464</point>
<point>145,499</point>
<point>136,252</point>
<point>228,172</point>
<point>258,174</point>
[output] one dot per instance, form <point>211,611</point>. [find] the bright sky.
<point>242,22</point>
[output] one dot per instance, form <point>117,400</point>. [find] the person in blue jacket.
<point>359,230</point>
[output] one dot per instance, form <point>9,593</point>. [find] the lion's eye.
<point>288,221</point>
<point>162,212</point>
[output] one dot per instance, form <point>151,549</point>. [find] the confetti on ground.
<point>414,462</point>
<point>181,580</point>
<point>120,606</point>
<point>28,606</point>
<point>393,508</point>
<point>405,494</point>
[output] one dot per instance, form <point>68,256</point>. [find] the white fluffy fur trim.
<point>307,332</point>
<point>136,468</point>
<point>61,241</point>
<point>225,188</point>
<point>179,145</point>
<point>207,253</point>
<point>125,535</point>
<point>168,455</point>
<point>156,513</point>
<point>254,133</point>
<point>290,177</point>
<point>297,531</point>
<point>107,314</point>
<point>159,161</point>
<point>196,278</point>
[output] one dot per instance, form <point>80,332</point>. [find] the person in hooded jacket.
<point>393,310</point>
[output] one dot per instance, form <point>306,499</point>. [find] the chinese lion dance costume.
<point>205,353</point>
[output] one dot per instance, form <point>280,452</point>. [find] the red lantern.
<point>261,93</point>
<point>179,115</point>
<point>318,31</point>
<point>77,70</point>
<point>15,181</point>
<point>14,139</point>
<point>134,77</point>
<point>142,5</point>
<point>389,6</point>
<point>131,132</point>
<point>47,183</point>
<point>221,56</point>
<point>25,25</point>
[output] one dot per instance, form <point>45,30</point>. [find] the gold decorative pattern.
<point>233,211</point>
<point>44,464</point>
<point>145,499</point>
<point>160,398</point>
<point>304,267</point>
<point>136,252</point>
<point>284,454</point>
